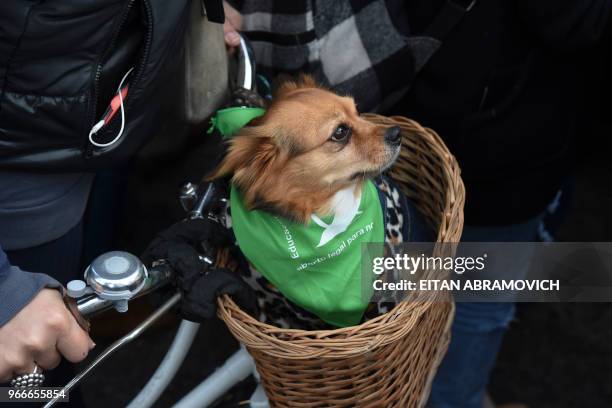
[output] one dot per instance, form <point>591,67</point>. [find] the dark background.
<point>554,355</point>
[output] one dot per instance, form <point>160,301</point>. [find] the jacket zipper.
<point>137,73</point>
<point>89,147</point>
<point>147,44</point>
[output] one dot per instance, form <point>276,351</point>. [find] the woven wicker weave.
<point>388,361</point>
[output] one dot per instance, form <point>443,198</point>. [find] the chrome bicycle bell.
<point>116,276</point>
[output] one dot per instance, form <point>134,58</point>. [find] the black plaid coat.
<point>356,47</point>
<point>503,91</point>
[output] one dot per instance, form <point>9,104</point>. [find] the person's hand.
<point>201,289</point>
<point>233,24</point>
<point>40,334</point>
<point>177,243</point>
<point>199,283</point>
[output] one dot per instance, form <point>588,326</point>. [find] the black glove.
<point>246,97</point>
<point>199,283</point>
<point>193,232</point>
<point>200,292</point>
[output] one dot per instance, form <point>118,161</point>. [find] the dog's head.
<point>309,144</point>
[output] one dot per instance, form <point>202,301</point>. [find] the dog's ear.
<point>247,149</point>
<point>307,81</point>
<point>284,84</point>
<point>251,156</point>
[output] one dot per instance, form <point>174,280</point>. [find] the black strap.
<point>213,10</point>
<point>448,18</point>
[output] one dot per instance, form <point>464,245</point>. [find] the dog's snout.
<point>393,135</point>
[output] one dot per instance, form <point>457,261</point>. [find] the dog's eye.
<point>341,134</point>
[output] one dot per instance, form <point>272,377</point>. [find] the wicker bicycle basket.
<point>388,361</point>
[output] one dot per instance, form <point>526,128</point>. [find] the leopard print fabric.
<point>277,310</point>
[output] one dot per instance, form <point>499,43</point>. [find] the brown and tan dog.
<point>291,162</point>
<point>310,144</point>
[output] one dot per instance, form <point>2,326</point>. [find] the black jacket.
<point>60,64</point>
<point>504,91</point>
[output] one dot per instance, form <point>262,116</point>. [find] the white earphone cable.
<point>101,123</point>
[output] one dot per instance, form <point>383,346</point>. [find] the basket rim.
<point>341,342</point>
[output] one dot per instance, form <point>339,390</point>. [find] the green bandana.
<point>230,120</point>
<point>316,266</point>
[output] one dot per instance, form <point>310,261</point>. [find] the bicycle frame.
<point>237,368</point>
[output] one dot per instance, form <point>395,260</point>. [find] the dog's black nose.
<point>393,135</point>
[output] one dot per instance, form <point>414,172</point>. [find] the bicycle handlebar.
<point>157,277</point>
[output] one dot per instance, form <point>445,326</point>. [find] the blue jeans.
<point>478,330</point>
